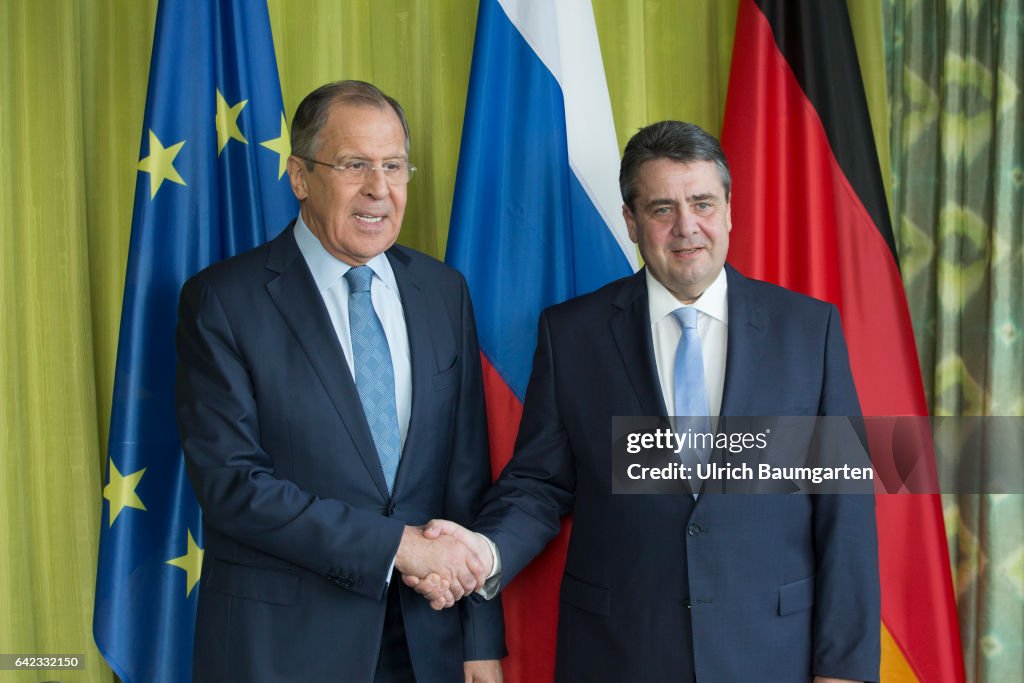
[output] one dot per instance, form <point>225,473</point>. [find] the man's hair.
<point>675,140</point>
<point>313,111</point>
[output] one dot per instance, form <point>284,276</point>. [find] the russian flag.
<point>536,220</point>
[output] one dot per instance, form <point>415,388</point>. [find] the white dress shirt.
<point>712,327</point>
<point>329,275</point>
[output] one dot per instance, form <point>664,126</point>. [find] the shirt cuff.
<point>493,582</point>
<point>391,572</point>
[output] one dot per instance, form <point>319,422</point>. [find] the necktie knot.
<point>358,279</point>
<point>686,317</point>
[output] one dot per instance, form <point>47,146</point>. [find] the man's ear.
<point>630,219</point>
<point>297,177</point>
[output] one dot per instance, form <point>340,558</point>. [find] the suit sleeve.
<point>523,510</point>
<point>847,608</point>
<point>234,477</point>
<point>469,476</point>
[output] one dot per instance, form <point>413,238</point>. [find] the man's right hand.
<point>444,564</point>
<point>433,586</point>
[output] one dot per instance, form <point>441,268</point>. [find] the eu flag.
<point>211,183</point>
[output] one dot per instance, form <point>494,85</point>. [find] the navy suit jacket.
<point>660,587</point>
<point>299,528</point>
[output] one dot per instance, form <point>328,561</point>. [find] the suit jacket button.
<point>391,509</point>
<point>693,530</point>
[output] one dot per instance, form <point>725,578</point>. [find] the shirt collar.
<point>713,302</point>
<point>328,270</point>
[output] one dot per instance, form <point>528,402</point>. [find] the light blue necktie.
<point>375,376</point>
<point>691,396</point>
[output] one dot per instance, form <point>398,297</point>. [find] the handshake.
<point>443,561</point>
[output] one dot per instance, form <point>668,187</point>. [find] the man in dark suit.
<point>330,400</point>
<point>684,587</point>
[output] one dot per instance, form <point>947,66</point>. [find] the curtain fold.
<point>75,77</point>
<point>50,478</point>
<point>956,72</point>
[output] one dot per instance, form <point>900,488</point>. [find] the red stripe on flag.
<point>917,589</point>
<point>504,411</point>
<point>531,601</point>
<point>799,223</point>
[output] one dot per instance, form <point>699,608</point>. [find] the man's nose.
<point>687,223</point>
<point>375,184</point>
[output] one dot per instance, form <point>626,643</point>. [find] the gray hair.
<point>675,140</point>
<point>315,108</point>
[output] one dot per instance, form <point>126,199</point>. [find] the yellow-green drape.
<point>49,478</point>
<point>74,75</point>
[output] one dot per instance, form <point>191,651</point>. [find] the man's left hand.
<point>482,671</point>
<point>822,679</point>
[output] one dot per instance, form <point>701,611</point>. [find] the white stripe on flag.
<point>563,35</point>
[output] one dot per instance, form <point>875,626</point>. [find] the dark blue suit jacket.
<point>658,587</point>
<point>299,528</point>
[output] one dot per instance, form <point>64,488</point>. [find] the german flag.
<point>810,214</point>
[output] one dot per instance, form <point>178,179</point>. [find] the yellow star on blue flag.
<point>120,491</point>
<point>160,164</point>
<point>227,122</point>
<point>191,562</point>
<point>282,145</point>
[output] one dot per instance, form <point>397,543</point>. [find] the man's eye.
<point>392,166</point>
<point>662,210</point>
<point>703,206</point>
<point>356,165</point>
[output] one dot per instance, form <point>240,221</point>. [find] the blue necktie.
<point>375,376</point>
<point>691,396</point>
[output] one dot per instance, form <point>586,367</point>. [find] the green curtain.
<point>75,74</point>
<point>956,73</point>
<point>50,476</point>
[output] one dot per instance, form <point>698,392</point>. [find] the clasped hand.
<point>443,561</point>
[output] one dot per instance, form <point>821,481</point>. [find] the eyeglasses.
<point>396,172</point>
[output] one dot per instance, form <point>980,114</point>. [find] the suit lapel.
<point>631,328</point>
<point>295,294</point>
<point>747,326</point>
<point>418,312</point>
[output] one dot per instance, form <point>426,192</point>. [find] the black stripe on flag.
<point>816,39</point>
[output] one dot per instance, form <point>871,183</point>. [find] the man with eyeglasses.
<point>330,401</point>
